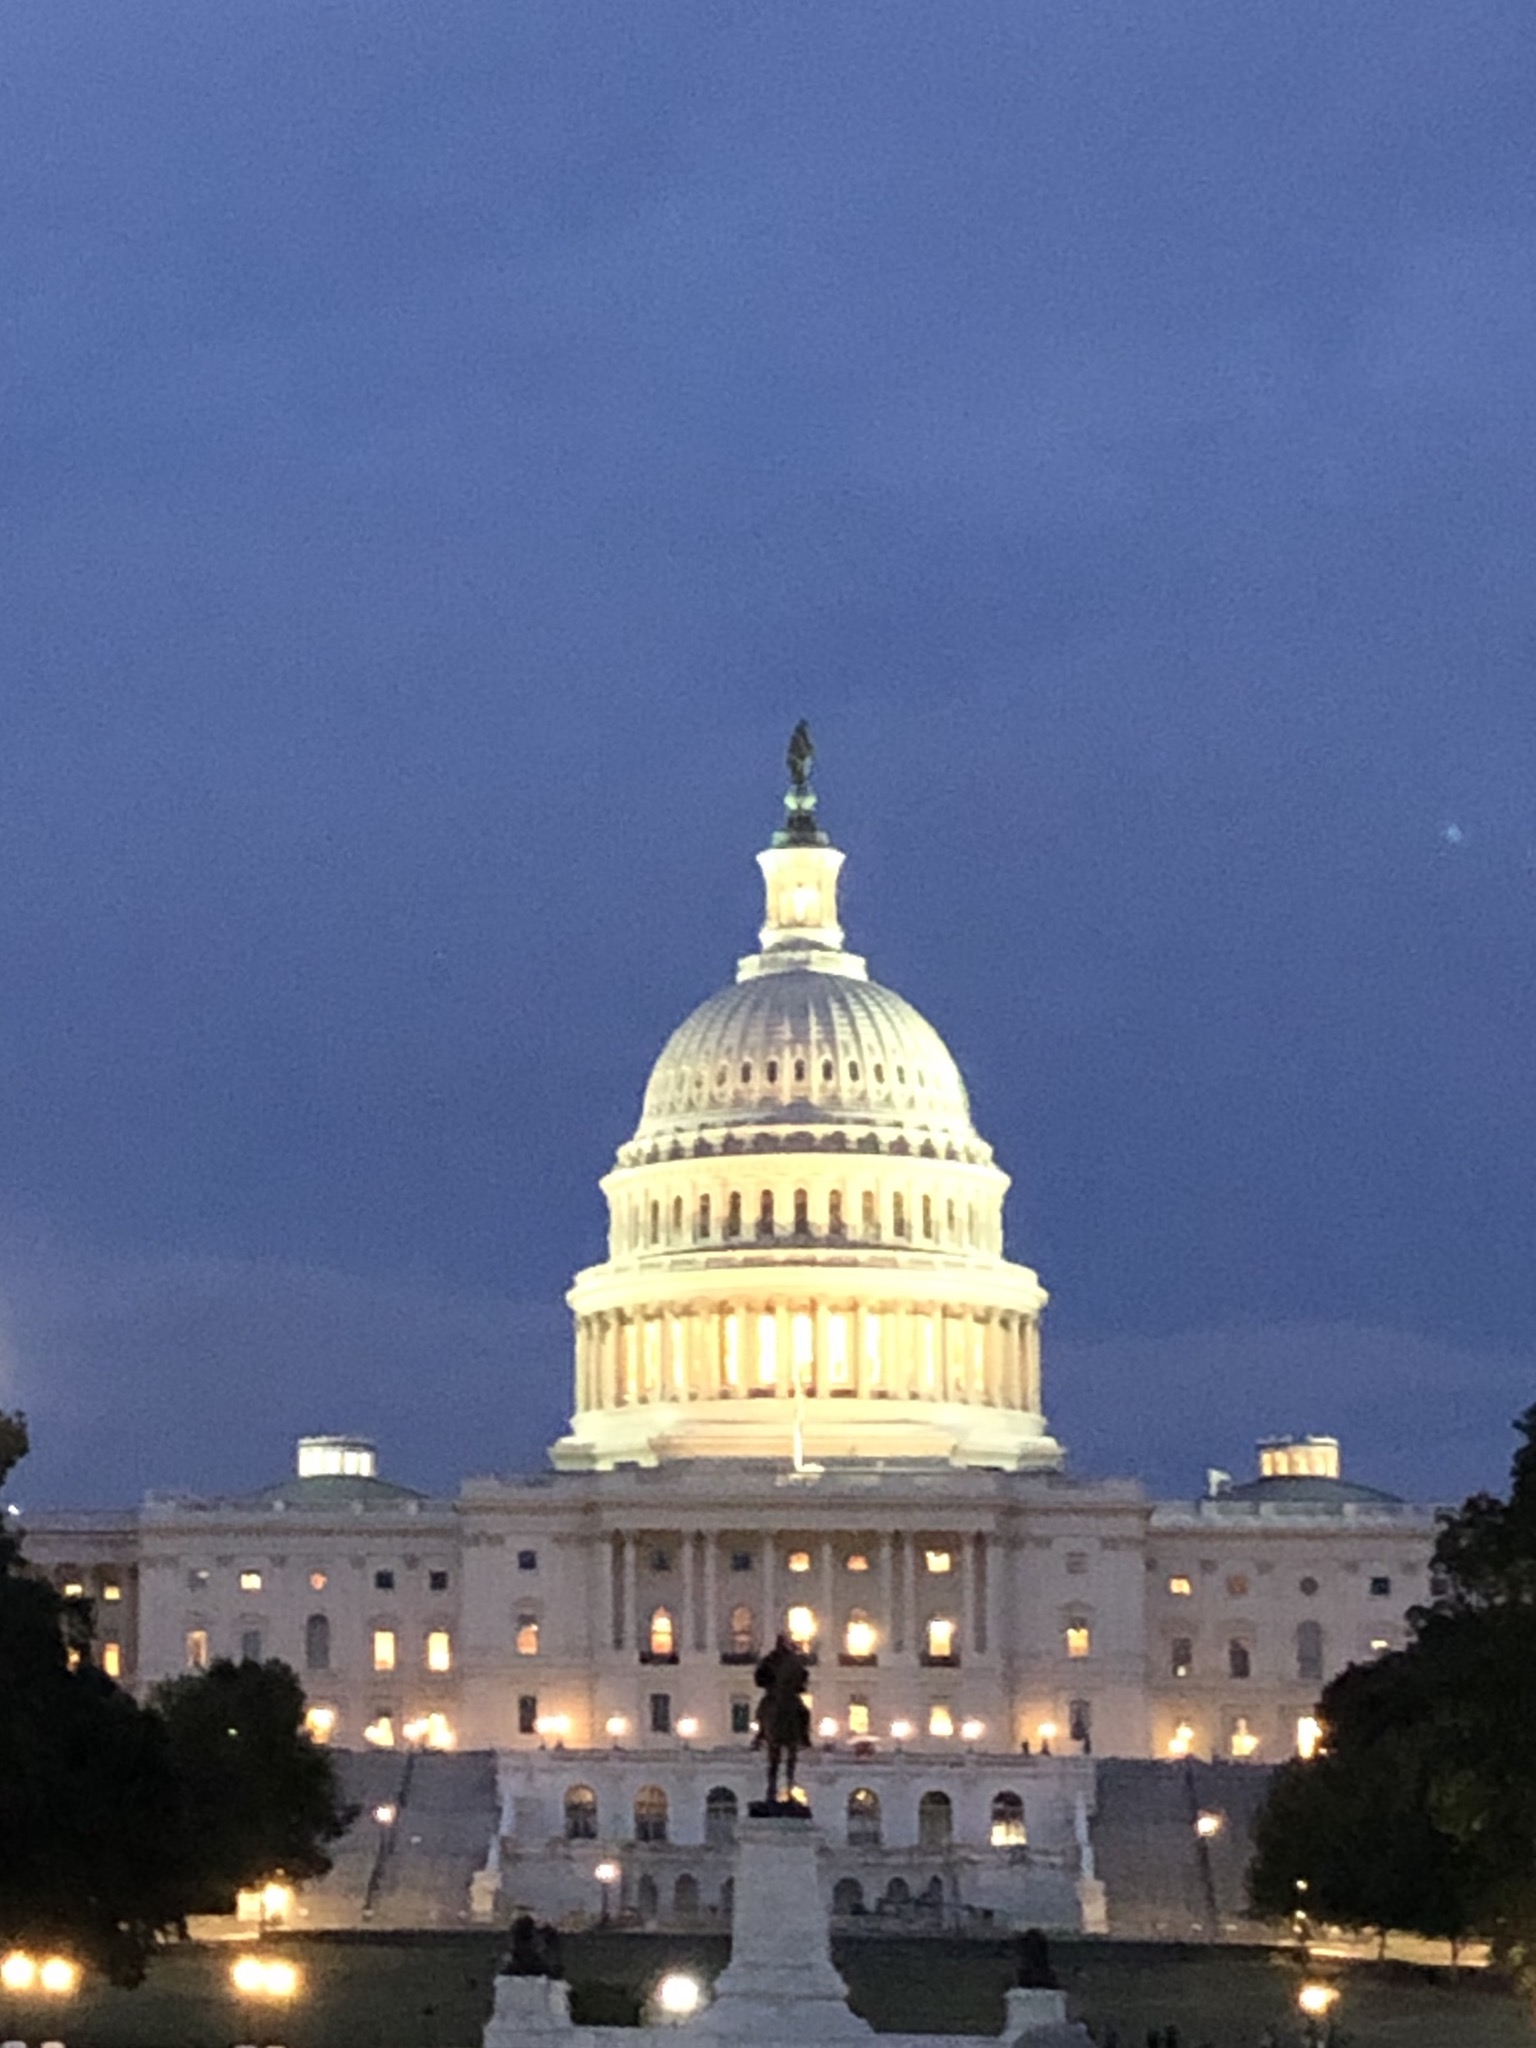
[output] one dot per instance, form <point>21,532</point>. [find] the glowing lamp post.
<point>1315,2002</point>
<point>607,1874</point>
<point>55,1975</point>
<point>677,1997</point>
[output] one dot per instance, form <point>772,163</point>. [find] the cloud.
<point>141,1371</point>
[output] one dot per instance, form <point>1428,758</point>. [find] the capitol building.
<point>807,1396</point>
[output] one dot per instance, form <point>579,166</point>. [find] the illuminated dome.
<point>805,1246</point>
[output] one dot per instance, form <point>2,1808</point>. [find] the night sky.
<point>442,452</point>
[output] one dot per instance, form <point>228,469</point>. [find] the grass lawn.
<point>434,1991</point>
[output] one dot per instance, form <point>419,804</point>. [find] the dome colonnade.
<point>805,1249</point>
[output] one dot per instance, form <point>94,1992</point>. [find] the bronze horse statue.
<point>783,1718</point>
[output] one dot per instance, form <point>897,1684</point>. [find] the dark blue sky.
<point>443,450</point>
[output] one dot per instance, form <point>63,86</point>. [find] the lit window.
<point>1008,1831</point>
<point>859,1637</point>
<point>197,1649</point>
<point>1182,1740</point>
<point>112,1659</point>
<point>940,1720</point>
<point>112,1591</point>
<point>799,1560</point>
<point>858,1562</point>
<point>801,1625</point>
<point>1078,1639</point>
<point>74,1590</point>
<point>941,1637</point>
<point>1243,1741</point>
<point>318,1581</point>
<point>938,1562</point>
<point>1309,1733</point>
<point>380,1732</point>
<point>439,1650</point>
<point>1180,1587</point>
<point>320,1723</point>
<point>858,1715</point>
<point>527,1635</point>
<point>383,1649</point>
<point>71,1660</point>
<point>250,1582</point>
<point>743,1631</point>
<point>662,1638</point>
<point>1380,1643</point>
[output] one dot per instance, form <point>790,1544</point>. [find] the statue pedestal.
<point>1038,2019</point>
<point>779,1985</point>
<point>526,2009</point>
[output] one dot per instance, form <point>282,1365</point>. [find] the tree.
<point>261,1797</point>
<point>1420,1810</point>
<point>90,1809</point>
<point>116,1820</point>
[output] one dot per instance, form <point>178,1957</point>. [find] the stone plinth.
<point>779,1985</point>
<point>1038,2019</point>
<point>527,2009</point>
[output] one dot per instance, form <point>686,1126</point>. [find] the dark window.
<point>1309,1587</point>
<point>733,1216</point>
<point>863,1819</point>
<point>250,1644</point>
<point>935,1821</point>
<point>835,1213</point>
<point>527,1560</point>
<point>741,1717</point>
<point>384,1582</point>
<point>581,1814</point>
<point>802,1211</point>
<point>317,1643</point>
<point>1381,1588</point>
<point>661,1713</point>
<point>437,1582</point>
<point>1239,1659</point>
<point>741,1560</point>
<point>773,1070</point>
<point>720,1810</point>
<point>650,1814</point>
<point>661,1560</point>
<point>1080,1721</point>
<point>527,1713</point>
<point>1309,1650</point>
<point>1181,1655</point>
<point>701,1229</point>
<point>799,1070</point>
<point>765,1213</point>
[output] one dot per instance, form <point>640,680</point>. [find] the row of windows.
<point>662,1224</point>
<point>679,1082</point>
<point>252,1579</point>
<point>71,1582</point>
<point>943,1722</point>
<point>860,1638</point>
<point>1239,1661</point>
<point>437,1650</point>
<point>1181,1586</point>
<point>935,1562</point>
<point>651,1818</point>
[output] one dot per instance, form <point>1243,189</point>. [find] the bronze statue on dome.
<point>802,757</point>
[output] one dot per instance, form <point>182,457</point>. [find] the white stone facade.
<point>807,1397</point>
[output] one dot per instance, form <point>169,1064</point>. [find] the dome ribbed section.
<point>803,1048</point>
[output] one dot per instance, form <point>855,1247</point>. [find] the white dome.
<point>801,1048</point>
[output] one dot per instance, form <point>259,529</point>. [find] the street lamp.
<point>1316,2001</point>
<point>688,1727</point>
<point>1208,1825</point>
<point>607,1874</point>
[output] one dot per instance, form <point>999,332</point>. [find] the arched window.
<point>733,1216</point>
<point>655,1221</point>
<point>317,1643</point>
<point>701,1228</point>
<point>802,1212</point>
<point>1309,1649</point>
<point>650,1815</point>
<point>799,1070</point>
<point>685,1897</point>
<point>869,1216</point>
<point>720,1810</point>
<point>847,1897</point>
<point>1008,1831</point>
<point>677,1216</point>
<point>835,1213</point>
<point>580,1814</point>
<point>949,1219</point>
<point>743,1632</point>
<point>661,1637</point>
<point>647,1898</point>
<point>898,1215</point>
<point>1239,1659</point>
<point>927,1215</point>
<point>935,1821</point>
<point>863,1819</point>
<point>765,1213</point>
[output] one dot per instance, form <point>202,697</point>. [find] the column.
<point>783,1353</point>
<point>629,1621</point>
<point>616,1589</point>
<point>967,1561</point>
<point>901,1369</point>
<point>711,1630</point>
<point>1032,1363</point>
<point>770,1592</point>
<point>830,1640</point>
<point>986,1615</point>
<point>821,1351</point>
<point>687,1628</point>
<point>890,1628</point>
<point>858,1329</point>
<point>994,1358</point>
<point>911,1631</point>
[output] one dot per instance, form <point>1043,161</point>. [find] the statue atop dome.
<point>802,757</point>
<point>800,827</point>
